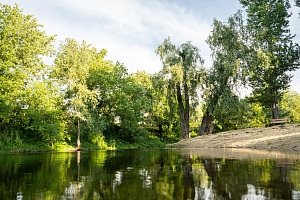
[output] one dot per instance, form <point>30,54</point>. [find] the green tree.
<point>44,117</point>
<point>241,114</point>
<point>104,78</point>
<point>228,70</point>
<point>164,112</point>
<point>290,106</point>
<point>133,102</point>
<point>182,67</point>
<point>228,116</point>
<point>277,54</point>
<point>72,69</point>
<point>22,45</point>
<point>123,100</point>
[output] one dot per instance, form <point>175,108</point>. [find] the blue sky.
<point>131,30</point>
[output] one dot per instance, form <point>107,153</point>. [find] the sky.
<point>131,30</point>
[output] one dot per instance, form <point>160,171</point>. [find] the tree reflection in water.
<point>150,174</point>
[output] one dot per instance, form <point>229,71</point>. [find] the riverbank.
<point>22,146</point>
<point>280,137</point>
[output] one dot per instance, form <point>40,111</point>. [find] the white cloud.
<point>131,30</point>
<point>136,28</point>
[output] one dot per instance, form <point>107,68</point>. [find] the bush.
<point>98,140</point>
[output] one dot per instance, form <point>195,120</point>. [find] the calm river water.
<point>151,174</point>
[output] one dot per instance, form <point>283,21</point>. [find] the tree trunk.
<point>183,114</point>
<point>206,127</point>
<point>78,136</point>
<point>184,124</point>
<point>160,130</point>
<point>275,111</point>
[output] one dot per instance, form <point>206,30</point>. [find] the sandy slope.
<point>278,137</point>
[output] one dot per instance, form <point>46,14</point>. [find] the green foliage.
<point>276,53</point>
<point>290,106</point>
<point>121,98</point>
<point>98,139</point>
<point>86,99</point>
<point>196,117</point>
<point>239,115</point>
<point>142,142</point>
<point>229,69</point>
<point>231,114</point>
<point>73,64</point>
<point>22,45</point>
<point>28,107</point>
<point>164,111</point>
<point>81,92</point>
<point>228,52</point>
<point>133,104</point>
<point>44,119</point>
<point>193,134</point>
<point>182,72</point>
<point>260,115</point>
<point>72,69</point>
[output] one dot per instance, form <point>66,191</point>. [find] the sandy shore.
<point>280,137</point>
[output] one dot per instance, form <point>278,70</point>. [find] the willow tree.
<point>228,71</point>
<point>182,69</point>
<point>278,55</point>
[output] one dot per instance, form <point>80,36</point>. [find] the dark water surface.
<point>151,174</point>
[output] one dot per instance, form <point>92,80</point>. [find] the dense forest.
<point>83,100</point>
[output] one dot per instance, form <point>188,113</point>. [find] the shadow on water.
<point>151,174</point>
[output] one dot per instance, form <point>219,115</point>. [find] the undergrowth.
<point>8,145</point>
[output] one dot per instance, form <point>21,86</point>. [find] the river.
<point>151,174</point>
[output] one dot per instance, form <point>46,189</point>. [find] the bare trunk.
<point>160,130</point>
<point>184,124</point>
<point>183,114</point>
<point>275,111</point>
<point>206,127</point>
<point>78,136</point>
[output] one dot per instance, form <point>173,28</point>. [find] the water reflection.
<point>151,174</point>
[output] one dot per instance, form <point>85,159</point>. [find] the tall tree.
<point>228,70</point>
<point>277,54</point>
<point>72,68</point>
<point>182,67</point>
<point>22,45</point>
<point>121,97</point>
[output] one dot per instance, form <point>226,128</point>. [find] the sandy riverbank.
<point>280,137</point>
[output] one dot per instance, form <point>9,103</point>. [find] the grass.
<point>16,146</point>
<point>141,142</point>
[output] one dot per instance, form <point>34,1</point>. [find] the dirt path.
<point>285,137</point>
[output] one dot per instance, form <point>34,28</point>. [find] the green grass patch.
<point>142,142</point>
<point>7,145</point>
